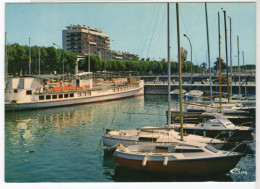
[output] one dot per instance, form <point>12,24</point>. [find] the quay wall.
<point>162,88</point>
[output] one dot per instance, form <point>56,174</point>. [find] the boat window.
<point>162,148</point>
<point>48,97</point>
<point>71,94</point>
<point>211,148</point>
<point>147,139</point>
<point>41,97</point>
<point>66,95</point>
<point>29,92</point>
<point>54,96</point>
<point>188,150</point>
<point>21,84</point>
<point>60,95</point>
<point>79,94</point>
<point>216,125</point>
<point>15,91</point>
<point>84,94</point>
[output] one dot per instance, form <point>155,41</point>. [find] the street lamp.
<point>190,53</point>
<point>62,58</point>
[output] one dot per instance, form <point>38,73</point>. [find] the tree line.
<point>50,59</point>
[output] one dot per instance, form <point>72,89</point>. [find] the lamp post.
<point>62,58</point>
<point>190,53</point>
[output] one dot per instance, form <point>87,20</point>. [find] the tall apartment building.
<point>86,40</point>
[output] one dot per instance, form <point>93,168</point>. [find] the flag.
<point>89,37</point>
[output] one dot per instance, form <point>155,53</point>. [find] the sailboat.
<point>183,157</point>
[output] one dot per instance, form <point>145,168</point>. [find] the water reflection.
<point>60,144</point>
<point>123,174</point>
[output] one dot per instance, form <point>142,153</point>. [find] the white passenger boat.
<point>145,135</point>
<point>181,158</point>
<point>34,92</point>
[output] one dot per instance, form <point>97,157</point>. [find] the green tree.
<point>216,64</point>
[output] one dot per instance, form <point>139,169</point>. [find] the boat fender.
<point>204,133</point>
<point>121,148</point>
<point>165,162</point>
<point>144,161</point>
<point>230,134</point>
<point>107,131</point>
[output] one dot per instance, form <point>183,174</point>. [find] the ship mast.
<point>208,52</point>
<point>226,54</point>
<point>169,64</point>
<point>179,60</point>
<point>219,61</point>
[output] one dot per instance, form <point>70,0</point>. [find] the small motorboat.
<point>181,158</point>
<point>194,94</point>
<point>145,135</point>
<point>216,124</point>
<point>176,93</point>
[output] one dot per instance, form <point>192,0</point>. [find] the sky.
<point>139,28</point>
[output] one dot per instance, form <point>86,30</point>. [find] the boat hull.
<point>210,166</point>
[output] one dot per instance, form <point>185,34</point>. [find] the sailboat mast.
<point>180,78</point>
<point>219,61</point>
<point>231,57</point>
<point>207,29</point>
<point>169,64</point>
<point>239,89</point>
<point>226,54</point>
<point>244,70</point>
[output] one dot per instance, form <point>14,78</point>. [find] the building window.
<point>29,92</point>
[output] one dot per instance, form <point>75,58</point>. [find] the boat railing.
<point>70,89</point>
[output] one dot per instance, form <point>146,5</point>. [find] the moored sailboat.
<point>181,158</point>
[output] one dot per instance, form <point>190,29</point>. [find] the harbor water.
<point>64,144</point>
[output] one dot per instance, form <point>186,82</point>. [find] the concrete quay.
<point>161,88</point>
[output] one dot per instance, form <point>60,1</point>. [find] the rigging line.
<point>204,42</point>
<point>154,30</point>
<point>147,31</point>
<point>199,18</point>
<point>158,40</point>
<point>196,60</point>
<point>186,31</point>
